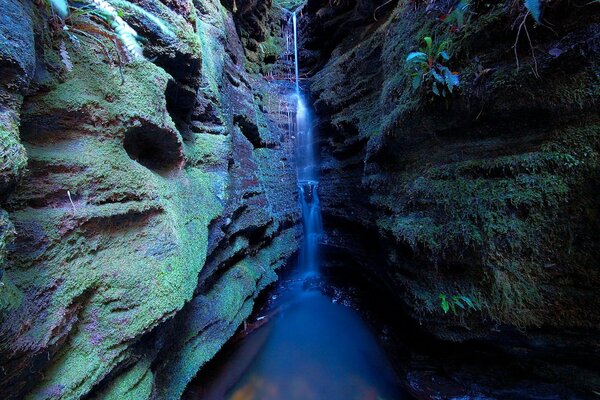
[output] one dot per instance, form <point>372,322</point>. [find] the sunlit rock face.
<point>490,193</point>
<point>147,219</point>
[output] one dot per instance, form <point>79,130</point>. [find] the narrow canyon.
<point>300,200</point>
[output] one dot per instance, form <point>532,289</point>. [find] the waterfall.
<point>295,23</point>
<point>306,174</point>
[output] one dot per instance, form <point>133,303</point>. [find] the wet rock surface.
<point>145,205</point>
<point>487,194</point>
<point>145,223</point>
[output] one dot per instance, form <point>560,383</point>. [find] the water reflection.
<point>314,350</point>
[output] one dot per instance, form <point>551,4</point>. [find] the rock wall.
<point>489,193</point>
<point>157,201</point>
<point>145,204</point>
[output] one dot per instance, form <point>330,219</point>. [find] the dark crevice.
<point>250,130</point>
<point>180,103</point>
<point>156,149</point>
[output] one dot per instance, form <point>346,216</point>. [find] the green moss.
<point>211,37</point>
<point>117,248</point>
<point>100,91</point>
<point>218,313</point>
<point>127,254</point>
<point>10,296</point>
<point>135,383</point>
<point>13,157</point>
<point>504,214</point>
<point>476,204</point>
<point>208,150</point>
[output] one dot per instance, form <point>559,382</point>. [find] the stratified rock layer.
<point>489,194</point>
<point>149,217</point>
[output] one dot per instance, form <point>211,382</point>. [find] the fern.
<point>64,56</point>
<point>126,5</point>
<point>107,11</point>
<point>125,33</point>
<point>450,303</point>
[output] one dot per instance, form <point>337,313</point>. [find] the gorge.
<point>281,199</point>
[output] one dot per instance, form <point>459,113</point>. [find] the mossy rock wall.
<point>489,193</point>
<point>123,236</point>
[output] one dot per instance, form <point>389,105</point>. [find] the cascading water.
<point>314,348</point>
<point>306,174</point>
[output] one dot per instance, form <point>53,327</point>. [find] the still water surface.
<point>312,350</point>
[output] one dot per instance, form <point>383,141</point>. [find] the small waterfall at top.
<point>306,174</point>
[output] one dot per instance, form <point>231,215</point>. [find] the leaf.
<point>416,56</point>
<point>444,55</point>
<point>444,303</point>
<point>450,79</point>
<point>535,9</point>
<point>468,301</point>
<point>443,46</point>
<point>61,7</point>
<point>429,42</point>
<point>435,90</point>
<point>456,300</point>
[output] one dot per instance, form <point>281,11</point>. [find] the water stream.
<point>313,349</point>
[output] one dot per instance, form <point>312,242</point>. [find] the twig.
<point>535,67</point>
<point>523,26</point>
<point>517,39</point>
<point>377,9</point>
<point>71,200</point>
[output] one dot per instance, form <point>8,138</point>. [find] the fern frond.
<point>64,56</point>
<point>126,5</point>
<point>125,32</point>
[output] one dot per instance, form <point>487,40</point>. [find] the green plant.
<point>109,12</point>
<point>429,68</point>
<point>452,302</point>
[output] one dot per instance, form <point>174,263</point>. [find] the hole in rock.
<point>156,149</point>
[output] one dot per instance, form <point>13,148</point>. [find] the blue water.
<point>317,350</point>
